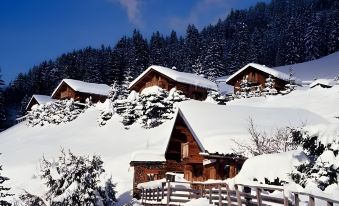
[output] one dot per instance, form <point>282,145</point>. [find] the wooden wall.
<point>193,165</point>
<point>66,92</point>
<point>256,78</point>
<point>154,78</point>
<point>149,171</point>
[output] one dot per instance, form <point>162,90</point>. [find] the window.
<point>184,150</point>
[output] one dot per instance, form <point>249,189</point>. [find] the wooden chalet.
<point>256,75</point>
<point>192,85</point>
<point>202,141</point>
<point>37,100</point>
<point>80,91</point>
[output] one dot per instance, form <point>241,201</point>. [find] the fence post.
<point>220,197</point>
<point>210,194</point>
<point>162,190</point>
<point>142,195</point>
<point>158,194</point>
<point>296,199</point>
<point>168,193</point>
<point>311,201</point>
<point>259,196</point>
<point>238,195</point>
<point>153,190</point>
<point>229,201</point>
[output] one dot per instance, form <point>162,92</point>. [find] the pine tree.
<point>313,38</point>
<point>192,47</point>
<point>157,45</point>
<point>213,61</point>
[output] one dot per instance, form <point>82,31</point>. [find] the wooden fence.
<point>220,194</point>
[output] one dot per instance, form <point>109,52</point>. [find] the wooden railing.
<point>220,194</point>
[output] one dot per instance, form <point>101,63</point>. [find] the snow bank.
<point>321,101</point>
<point>270,166</point>
<point>198,202</point>
<point>187,78</point>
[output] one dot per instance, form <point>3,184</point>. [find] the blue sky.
<point>35,30</point>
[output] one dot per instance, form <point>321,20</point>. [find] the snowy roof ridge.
<point>263,68</point>
<point>41,99</point>
<point>182,77</point>
<point>85,87</point>
<point>326,82</point>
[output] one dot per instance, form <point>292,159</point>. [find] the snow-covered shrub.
<point>323,169</point>
<point>53,113</point>
<point>3,190</point>
<point>28,199</point>
<point>281,140</point>
<point>151,108</point>
<point>75,180</point>
<point>217,98</point>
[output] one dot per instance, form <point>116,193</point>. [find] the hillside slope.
<point>325,67</point>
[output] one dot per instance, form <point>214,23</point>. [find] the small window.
<point>184,150</point>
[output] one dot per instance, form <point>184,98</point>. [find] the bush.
<point>53,113</point>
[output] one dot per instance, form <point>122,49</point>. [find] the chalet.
<point>324,83</point>
<point>192,85</point>
<point>202,141</point>
<point>80,91</point>
<point>256,75</point>
<point>37,100</point>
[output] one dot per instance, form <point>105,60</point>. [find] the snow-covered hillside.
<point>24,146</point>
<point>326,67</point>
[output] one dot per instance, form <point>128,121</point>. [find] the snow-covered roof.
<point>263,68</point>
<point>182,77</point>
<point>146,155</point>
<point>85,87</point>
<point>325,82</point>
<point>41,99</point>
<point>326,67</point>
<point>215,127</point>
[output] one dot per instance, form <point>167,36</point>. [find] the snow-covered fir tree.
<point>150,108</point>
<point>3,190</point>
<point>291,82</point>
<point>74,180</point>
<point>213,60</point>
<point>269,86</point>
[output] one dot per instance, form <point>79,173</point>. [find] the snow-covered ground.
<point>22,147</point>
